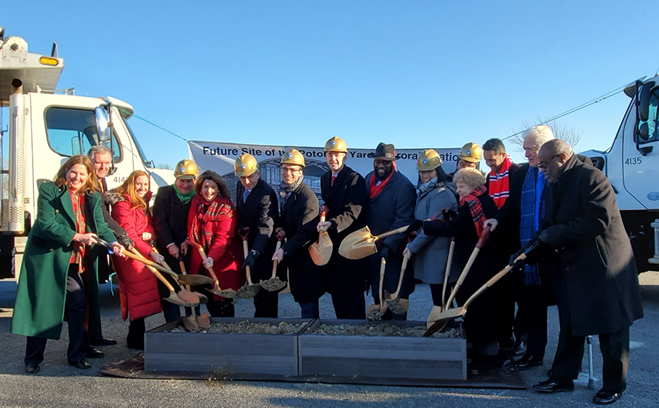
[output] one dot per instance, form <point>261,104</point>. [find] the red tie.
<point>332,182</point>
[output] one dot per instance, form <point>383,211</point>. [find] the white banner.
<point>220,158</point>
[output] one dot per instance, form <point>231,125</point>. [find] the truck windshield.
<point>146,162</point>
<point>73,131</point>
<point>653,119</point>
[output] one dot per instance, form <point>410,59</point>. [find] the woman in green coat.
<point>58,250</point>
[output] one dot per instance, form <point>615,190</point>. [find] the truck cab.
<point>632,166</point>
<point>46,127</point>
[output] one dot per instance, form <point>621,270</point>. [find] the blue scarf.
<point>531,212</point>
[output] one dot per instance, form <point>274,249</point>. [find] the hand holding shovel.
<point>249,289</point>
<point>217,290</point>
<point>274,283</point>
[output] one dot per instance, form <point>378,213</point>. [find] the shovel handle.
<point>390,233</point>
<point>275,262</point>
<point>150,266</point>
<point>210,269</point>
<point>383,269</point>
<point>245,252</point>
<point>403,267</point>
<point>449,264</point>
<point>483,237</point>
<point>147,262</point>
<point>491,282</point>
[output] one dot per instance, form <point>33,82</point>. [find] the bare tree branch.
<point>561,130</point>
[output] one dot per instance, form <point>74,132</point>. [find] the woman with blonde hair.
<point>212,224</point>
<point>138,287</point>
<point>59,251</point>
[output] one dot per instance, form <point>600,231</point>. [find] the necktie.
<point>245,194</point>
<point>332,182</point>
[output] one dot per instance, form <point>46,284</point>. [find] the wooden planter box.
<point>381,357</point>
<point>237,353</point>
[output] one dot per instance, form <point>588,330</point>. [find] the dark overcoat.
<point>41,293</point>
<point>299,218</point>
<point>345,200</point>
<point>598,279</point>
<point>259,213</point>
<point>170,224</point>
<point>391,209</point>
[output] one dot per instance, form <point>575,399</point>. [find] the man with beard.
<point>298,221</point>
<point>391,202</point>
<point>344,197</point>
<point>101,158</point>
<point>256,204</point>
<point>170,223</point>
<point>598,282</point>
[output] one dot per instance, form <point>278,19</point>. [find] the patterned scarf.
<point>205,213</point>
<point>500,183</point>
<point>78,203</point>
<point>374,190</point>
<point>423,187</point>
<point>475,207</point>
<point>285,191</point>
<point>531,212</point>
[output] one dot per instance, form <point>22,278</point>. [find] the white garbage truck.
<point>46,127</point>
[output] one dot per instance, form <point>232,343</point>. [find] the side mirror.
<point>644,99</point>
<point>102,125</point>
<point>643,131</point>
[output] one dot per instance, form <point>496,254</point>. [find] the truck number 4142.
<point>632,161</point>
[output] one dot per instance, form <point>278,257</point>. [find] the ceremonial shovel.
<point>193,322</point>
<point>249,289</point>
<point>397,304</point>
<point>437,310</point>
<point>217,290</point>
<point>274,283</point>
<point>375,312</point>
<point>361,243</point>
<point>454,313</point>
<point>321,250</point>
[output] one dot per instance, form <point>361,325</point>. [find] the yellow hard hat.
<point>186,169</point>
<point>245,165</point>
<point>336,144</point>
<point>471,152</point>
<point>428,160</point>
<point>293,157</point>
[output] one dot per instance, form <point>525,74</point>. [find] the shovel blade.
<point>194,280</point>
<point>442,320</point>
<point>272,284</point>
<point>190,324</point>
<point>248,291</point>
<point>358,244</point>
<point>320,255</point>
<point>398,305</point>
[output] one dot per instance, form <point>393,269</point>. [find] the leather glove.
<point>517,265</point>
<point>448,214</point>
<point>125,241</point>
<point>250,260</point>
<point>415,225</point>
<point>384,252</point>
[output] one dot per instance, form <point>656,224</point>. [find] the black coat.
<point>170,224</point>
<point>345,201</point>
<point>481,321</point>
<point>259,213</point>
<point>299,218</point>
<point>598,278</point>
<point>391,209</point>
<point>509,237</point>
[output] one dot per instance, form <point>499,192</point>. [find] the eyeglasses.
<point>251,177</point>
<point>290,170</point>
<point>543,165</point>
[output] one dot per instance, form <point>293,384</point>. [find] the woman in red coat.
<point>138,287</point>
<point>212,225</point>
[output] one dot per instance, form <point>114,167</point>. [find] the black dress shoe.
<point>605,397</point>
<point>32,369</point>
<point>528,361</point>
<point>99,341</point>
<point>551,386</point>
<point>94,353</point>
<point>81,364</point>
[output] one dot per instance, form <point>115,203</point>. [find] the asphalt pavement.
<point>59,385</point>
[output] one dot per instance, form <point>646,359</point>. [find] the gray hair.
<point>557,146</point>
<point>470,177</point>
<point>98,149</point>
<point>541,134</point>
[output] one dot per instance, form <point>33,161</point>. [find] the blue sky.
<point>412,73</point>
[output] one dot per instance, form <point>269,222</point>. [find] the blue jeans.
<point>310,310</point>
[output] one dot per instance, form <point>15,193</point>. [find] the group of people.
<point>557,204</point>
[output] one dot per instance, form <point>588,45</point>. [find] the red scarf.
<point>78,254</point>
<point>500,183</point>
<point>208,212</point>
<point>475,207</point>
<point>374,190</point>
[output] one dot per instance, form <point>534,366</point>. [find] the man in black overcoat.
<point>344,196</point>
<point>257,207</point>
<point>599,290</point>
<point>391,202</point>
<point>298,221</point>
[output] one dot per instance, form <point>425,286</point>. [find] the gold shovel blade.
<point>358,244</point>
<point>321,250</point>
<point>442,319</point>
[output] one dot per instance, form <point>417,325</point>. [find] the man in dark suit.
<point>257,207</point>
<point>344,196</point>
<point>298,221</point>
<point>599,290</point>
<point>391,202</point>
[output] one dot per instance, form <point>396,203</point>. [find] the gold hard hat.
<point>186,169</point>
<point>336,144</point>
<point>245,165</point>
<point>293,157</point>
<point>471,152</point>
<point>428,160</point>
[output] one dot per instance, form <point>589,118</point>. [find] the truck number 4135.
<point>632,161</point>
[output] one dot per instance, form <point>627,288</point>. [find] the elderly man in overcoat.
<point>598,282</point>
<point>391,202</point>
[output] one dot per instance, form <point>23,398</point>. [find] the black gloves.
<point>384,252</point>
<point>533,250</point>
<point>125,241</point>
<point>250,260</point>
<point>415,225</point>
